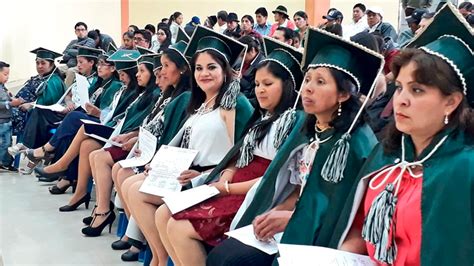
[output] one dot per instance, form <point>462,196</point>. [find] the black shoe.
<point>120,245</point>
<point>88,220</point>
<point>8,168</point>
<point>55,190</point>
<point>96,231</point>
<point>69,208</point>
<point>41,173</point>
<point>48,179</point>
<point>130,256</point>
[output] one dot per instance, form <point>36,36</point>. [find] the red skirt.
<point>117,153</point>
<point>212,218</point>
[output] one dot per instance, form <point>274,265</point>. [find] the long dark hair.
<point>148,90</point>
<point>184,80</point>
<point>174,16</point>
<point>349,108</point>
<point>167,41</point>
<point>445,80</point>
<point>197,95</point>
<point>133,84</point>
<point>287,100</point>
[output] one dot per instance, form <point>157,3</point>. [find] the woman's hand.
<point>122,138</point>
<point>70,106</point>
<point>221,186</point>
<point>92,110</point>
<point>186,176</point>
<point>26,107</point>
<point>147,169</point>
<point>128,145</point>
<point>15,102</point>
<point>265,226</point>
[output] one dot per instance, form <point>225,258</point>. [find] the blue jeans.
<point>5,142</point>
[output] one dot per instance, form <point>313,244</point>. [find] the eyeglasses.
<point>100,64</point>
<point>138,39</point>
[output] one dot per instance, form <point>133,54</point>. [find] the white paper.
<point>55,107</point>
<point>182,200</point>
<point>80,93</point>
<point>147,145</point>
<point>87,121</point>
<point>116,132</point>
<point>246,235</point>
<point>169,162</point>
<point>108,141</point>
<point>296,255</point>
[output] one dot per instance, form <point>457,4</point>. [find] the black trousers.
<point>232,252</point>
<point>37,127</point>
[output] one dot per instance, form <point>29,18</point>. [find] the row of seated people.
<point>301,165</point>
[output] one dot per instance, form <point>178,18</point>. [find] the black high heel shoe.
<point>55,190</point>
<point>30,154</point>
<point>50,176</point>
<point>96,231</point>
<point>88,220</point>
<point>69,208</point>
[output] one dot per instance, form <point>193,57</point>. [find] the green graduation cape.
<point>127,98</point>
<point>321,202</point>
<point>447,201</point>
<point>51,91</point>
<point>265,194</point>
<point>139,110</point>
<point>107,95</point>
<point>174,115</point>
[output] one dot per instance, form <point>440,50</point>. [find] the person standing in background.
<point>221,21</point>
<point>358,23</point>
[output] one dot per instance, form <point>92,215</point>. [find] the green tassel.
<point>333,169</point>
<point>379,227</point>
<point>283,127</point>
<point>229,99</point>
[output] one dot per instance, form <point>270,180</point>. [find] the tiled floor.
<point>34,232</point>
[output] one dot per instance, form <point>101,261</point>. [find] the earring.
<point>446,119</point>
<point>339,109</point>
<point>181,72</point>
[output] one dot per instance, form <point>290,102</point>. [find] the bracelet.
<point>226,186</point>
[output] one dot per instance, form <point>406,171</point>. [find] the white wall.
<point>28,24</point>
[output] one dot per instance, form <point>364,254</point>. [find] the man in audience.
<point>358,23</point>
<point>465,8</point>
<point>283,34</point>
<point>232,25</point>
<point>221,21</point>
<point>262,26</point>
<point>333,17</point>
<point>413,24</point>
<point>70,53</point>
<point>189,28</point>
<point>210,22</point>
<point>374,20</point>
<point>410,5</point>
<point>142,38</point>
<point>154,38</point>
<point>281,20</point>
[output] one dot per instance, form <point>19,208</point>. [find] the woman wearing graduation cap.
<point>101,94</point>
<point>414,202</point>
<point>45,88</point>
<point>277,79</point>
<point>129,120</point>
<point>40,121</point>
<point>216,111</point>
<point>174,85</point>
<point>68,147</point>
<point>308,190</point>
